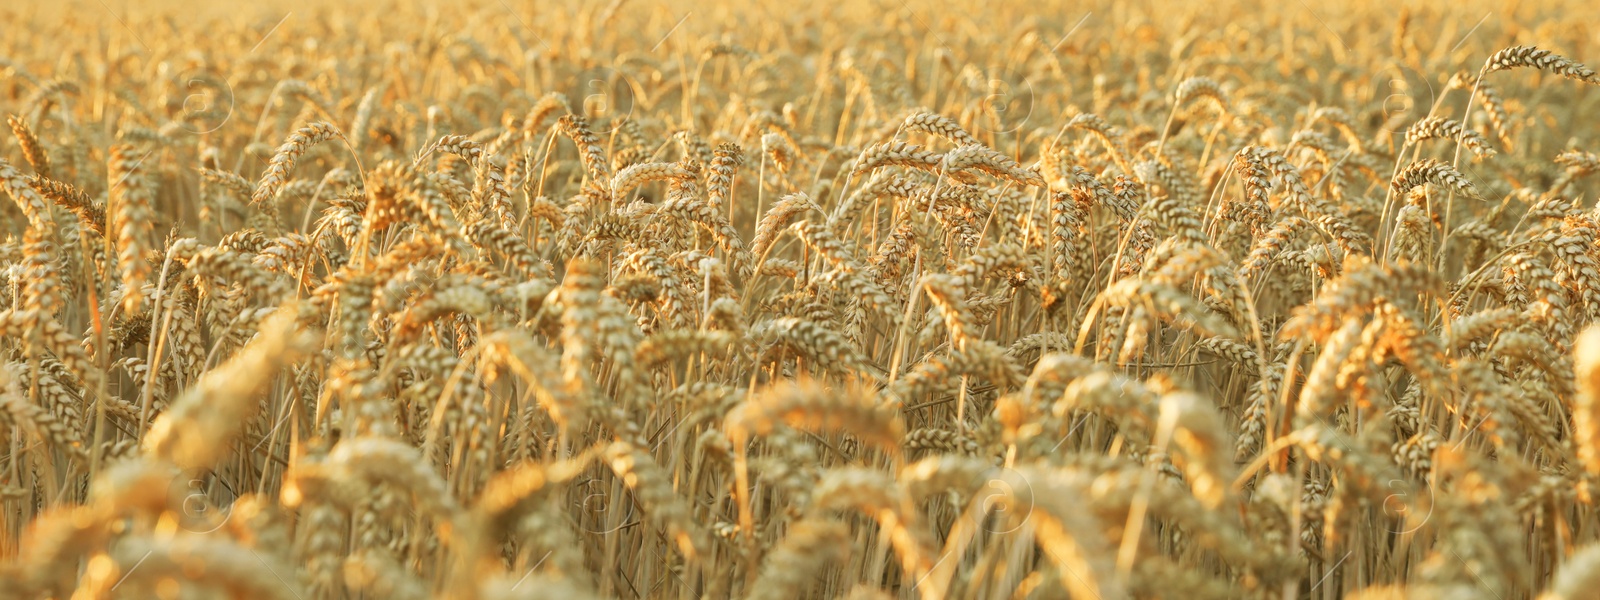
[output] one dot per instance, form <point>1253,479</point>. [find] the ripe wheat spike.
<point>480,300</point>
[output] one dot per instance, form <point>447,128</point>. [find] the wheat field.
<point>875,300</point>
